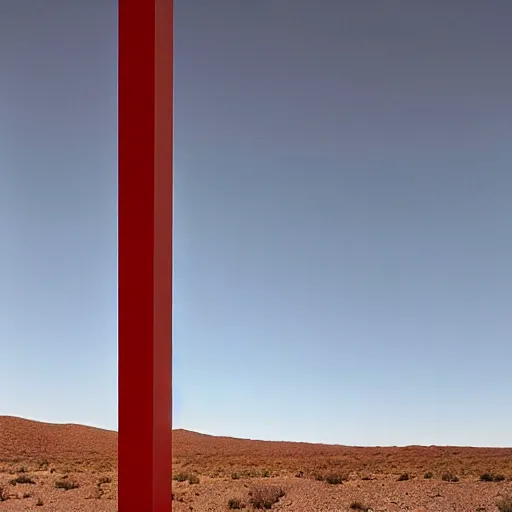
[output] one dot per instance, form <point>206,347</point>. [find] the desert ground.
<point>72,468</point>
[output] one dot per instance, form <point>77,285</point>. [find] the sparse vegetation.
<point>39,502</point>
<point>4,495</point>
<point>43,465</point>
<point>319,477</point>
<point>22,479</point>
<point>180,477</point>
<point>235,504</point>
<point>491,477</point>
<point>505,504</point>
<point>235,476</point>
<point>357,505</point>
<point>403,477</point>
<point>67,485</point>
<point>193,479</point>
<point>104,480</point>
<point>449,477</point>
<point>428,475</point>
<point>334,479</point>
<point>265,496</point>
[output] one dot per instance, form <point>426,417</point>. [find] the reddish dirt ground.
<point>38,461</point>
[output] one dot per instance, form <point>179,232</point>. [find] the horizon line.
<point>192,431</point>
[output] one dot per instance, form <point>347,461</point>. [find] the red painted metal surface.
<point>145,254</point>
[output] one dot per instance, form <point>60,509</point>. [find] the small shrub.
<point>403,477</point>
<point>487,477</point>
<point>39,502</point>
<point>266,496</point>
<point>428,475</point>
<point>450,477</point>
<point>499,478</point>
<point>4,495</point>
<point>235,476</point>
<point>180,477</point>
<point>299,474</point>
<point>265,473</point>
<point>27,495</point>
<point>104,480</point>
<point>357,505</point>
<point>43,465</point>
<point>319,478</point>
<point>505,504</point>
<point>22,479</point>
<point>193,479</point>
<point>67,485</point>
<point>334,479</point>
<point>235,504</point>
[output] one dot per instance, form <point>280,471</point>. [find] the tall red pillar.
<point>145,254</point>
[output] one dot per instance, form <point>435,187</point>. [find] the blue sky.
<point>342,217</point>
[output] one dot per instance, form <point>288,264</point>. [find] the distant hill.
<point>21,438</point>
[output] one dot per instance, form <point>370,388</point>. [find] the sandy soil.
<point>47,457</point>
<point>38,461</point>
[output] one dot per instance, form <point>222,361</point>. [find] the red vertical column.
<point>145,254</point>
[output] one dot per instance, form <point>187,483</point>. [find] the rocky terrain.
<point>72,468</point>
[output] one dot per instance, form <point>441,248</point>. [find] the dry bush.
<point>505,504</point>
<point>357,505</point>
<point>235,504</point>
<point>264,497</point>
<point>180,477</point>
<point>334,479</point>
<point>491,477</point>
<point>4,495</point>
<point>193,479</point>
<point>428,475</point>
<point>403,477</point>
<point>67,485</point>
<point>22,479</point>
<point>450,477</point>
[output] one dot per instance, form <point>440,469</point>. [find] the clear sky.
<point>343,182</point>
